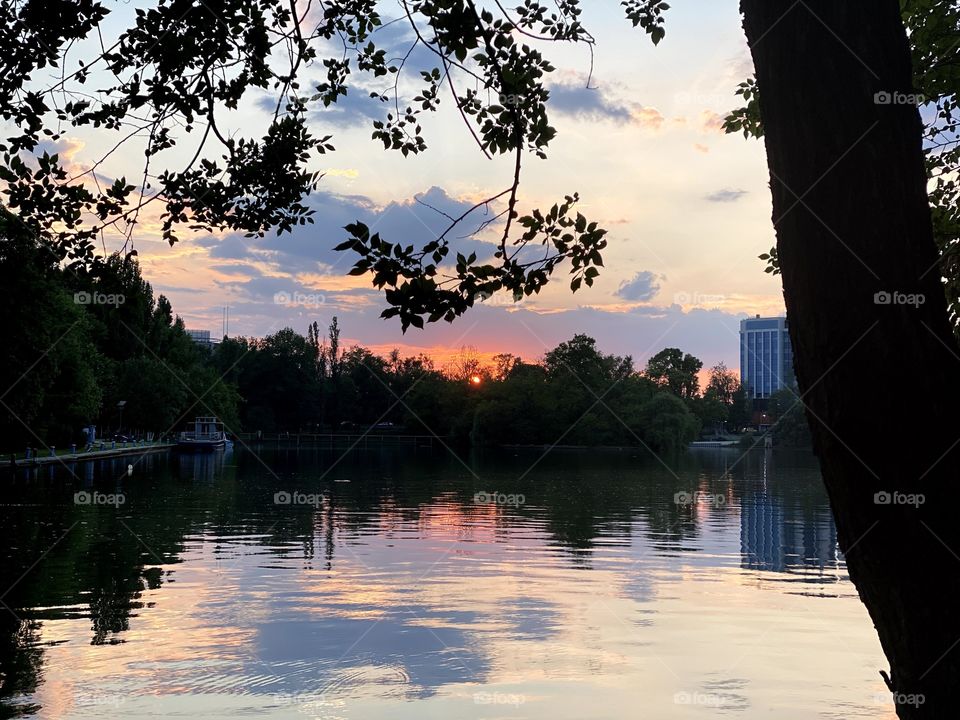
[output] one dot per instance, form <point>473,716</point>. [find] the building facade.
<point>200,337</point>
<point>766,356</point>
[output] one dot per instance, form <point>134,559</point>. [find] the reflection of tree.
<point>56,556</point>
<point>107,559</point>
<point>21,662</point>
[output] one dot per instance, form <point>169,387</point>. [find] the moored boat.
<point>207,434</point>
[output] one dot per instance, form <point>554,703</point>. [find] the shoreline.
<point>92,455</point>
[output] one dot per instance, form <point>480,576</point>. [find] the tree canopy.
<point>673,369</point>
<point>174,79</point>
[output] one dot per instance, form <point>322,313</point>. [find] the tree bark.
<point>880,382</point>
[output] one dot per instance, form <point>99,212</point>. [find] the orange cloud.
<point>711,122</point>
<point>647,117</point>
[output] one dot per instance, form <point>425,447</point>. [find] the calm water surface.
<point>389,586</point>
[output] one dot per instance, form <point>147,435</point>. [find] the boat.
<point>207,434</point>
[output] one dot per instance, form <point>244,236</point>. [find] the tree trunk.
<point>880,381</point>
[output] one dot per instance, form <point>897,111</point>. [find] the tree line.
<point>98,347</point>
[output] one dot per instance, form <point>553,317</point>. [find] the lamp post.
<point>120,422</point>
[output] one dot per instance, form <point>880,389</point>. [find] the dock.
<point>126,450</point>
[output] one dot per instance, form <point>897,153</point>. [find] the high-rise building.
<point>200,337</point>
<point>766,356</point>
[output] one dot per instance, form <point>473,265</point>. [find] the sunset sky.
<point>687,207</point>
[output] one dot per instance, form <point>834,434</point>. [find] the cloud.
<point>350,173</point>
<point>701,148</point>
<point>740,66</point>
<point>413,221</point>
<point>66,147</point>
<point>725,196</point>
<point>351,110</point>
<point>355,109</point>
<point>711,122</point>
<point>308,249</point>
<point>643,287</point>
<point>647,117</point>
<point>585,103</point>
<point>230,247</point>
<point>237,269</point>
<point>282,295</point>
<point>264,287</point>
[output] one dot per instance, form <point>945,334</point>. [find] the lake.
<point>412,583</point>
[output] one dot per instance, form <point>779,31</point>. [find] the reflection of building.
<point>778,537</point>
<point>200,337</point>
<point>766,356</point>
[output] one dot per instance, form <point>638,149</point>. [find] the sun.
<point>475,379</point>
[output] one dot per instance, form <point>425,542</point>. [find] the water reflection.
<point>782,538</point>
<point>203,466</point>
<point>391,592</point>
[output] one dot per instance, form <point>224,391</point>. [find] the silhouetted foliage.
<point>177,69</point>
